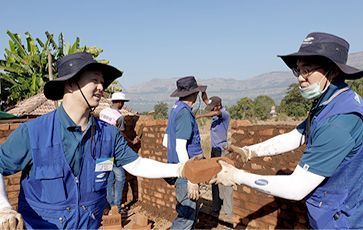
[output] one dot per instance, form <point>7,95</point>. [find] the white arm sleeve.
<point>149,168</point>
<point>4,202</point>
<point>165,140</point>
<point>293,187</point>
<point>181,150</point>
<point>278,144</point>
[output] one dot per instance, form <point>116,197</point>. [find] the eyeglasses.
<point>305,72</point>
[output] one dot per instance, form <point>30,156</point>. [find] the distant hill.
<point>274,84</point>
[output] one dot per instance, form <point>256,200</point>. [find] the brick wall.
<point>11,182</point>
<point>255,209</point>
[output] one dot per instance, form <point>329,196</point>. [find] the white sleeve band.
<point>278,144</point>
<point>4,202</point>
<point>181,150</point>
<point>165,140</point>
<point>293,187</point>
<point>149,168</point>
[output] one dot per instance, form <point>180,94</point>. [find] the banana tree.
<point>24,69</point>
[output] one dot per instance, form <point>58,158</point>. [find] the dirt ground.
<point>157,220</point>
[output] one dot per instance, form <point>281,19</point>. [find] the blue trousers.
<point>222,196</point>
<point>115,186</point>
<point>187,210</point>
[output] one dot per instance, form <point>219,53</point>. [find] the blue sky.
<point>168,38</point>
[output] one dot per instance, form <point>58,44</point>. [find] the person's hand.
<point>244,153</point>
<point>227,176</point>
<point>136,140</point>
<point>193,191</point>
<point>10,219</point>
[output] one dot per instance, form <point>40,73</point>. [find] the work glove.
<point>10,219</point>
<point>244,154</point>
<point>193,191</point>
<point>227,176</point>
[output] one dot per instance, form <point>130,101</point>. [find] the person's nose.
<point>301,79</point>
<point>100,87</point>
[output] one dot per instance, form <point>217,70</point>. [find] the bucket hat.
<point>213,102</point>
<point>186,86</point>
<point>328,46</point>
<point>70,65</point>
<point>119,96</point>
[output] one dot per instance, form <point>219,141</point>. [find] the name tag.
<point>104,164</point>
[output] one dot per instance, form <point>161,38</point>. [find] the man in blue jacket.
<point>183,142</point>
<point>222,196</point>
<point>66,155</point>
<point>329,174</point>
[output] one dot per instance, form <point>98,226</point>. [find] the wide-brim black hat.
<point>70,65</point>
<point>327,46</point>
<point>186,86</point>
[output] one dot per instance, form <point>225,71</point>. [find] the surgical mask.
<point>312,91</point>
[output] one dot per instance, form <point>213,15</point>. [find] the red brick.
<point>13,195</point>
<point>161,202</point>
<point>266,132</point>
<point>13,188</point>
<point>14,126</point>
<point>158,195</point>
<point>241,212</point>
<point>270,218</point>
<point>14,179</point>
<point>4,127</point>
<point>2,139</point>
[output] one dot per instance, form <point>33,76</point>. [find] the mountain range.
<point>274,84</point>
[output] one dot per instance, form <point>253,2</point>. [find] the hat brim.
<point>54,90</point>
<point>177,93</point>
<point>126,100</point>
<point>349,71</point>
<point>209,107</point>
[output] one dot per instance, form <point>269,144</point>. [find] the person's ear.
<point>70,86</point>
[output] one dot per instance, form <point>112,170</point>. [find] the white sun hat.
<point>118,96</point>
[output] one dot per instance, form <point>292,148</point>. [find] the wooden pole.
<point>50,73</point>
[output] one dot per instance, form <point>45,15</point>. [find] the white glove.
<point>227,176</point>
<point>10,219</point>
<point>193,191</point>
<point>245,153</point>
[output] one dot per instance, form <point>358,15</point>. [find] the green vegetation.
<point>160,110</point>
<point>246,108</point>
<point>263,106</point>
<point>293,104</point>
<point>357,85</point>
<point>25,67</point>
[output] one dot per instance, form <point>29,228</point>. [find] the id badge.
<point>104,164</point>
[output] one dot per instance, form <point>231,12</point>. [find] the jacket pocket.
<point>51,182</point>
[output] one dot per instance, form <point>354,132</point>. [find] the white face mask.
<point>312,91</point>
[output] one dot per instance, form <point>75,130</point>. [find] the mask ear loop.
<point>308,119</point>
